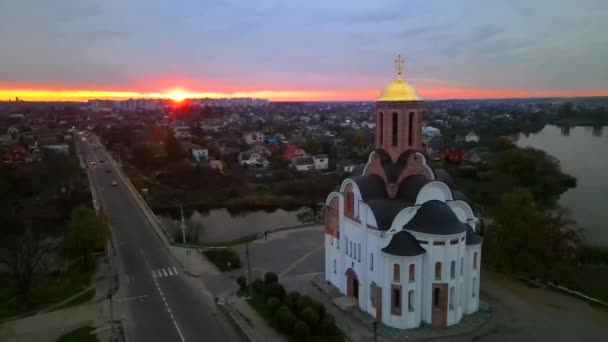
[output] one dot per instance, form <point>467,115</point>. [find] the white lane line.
<point>175,270</point>
<point>170,270</point>
<point>181,336</point>
<point>154,274</point>
<point>164,272</point>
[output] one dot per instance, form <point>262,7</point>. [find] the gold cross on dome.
<point>399,65</point>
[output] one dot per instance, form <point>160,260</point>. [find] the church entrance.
<point>352,283</point>
<point>439,312</point>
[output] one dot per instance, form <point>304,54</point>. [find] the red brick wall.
<point>332,218</point>
<point>384,127</point>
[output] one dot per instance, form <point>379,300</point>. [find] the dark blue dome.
<point>435,217</point>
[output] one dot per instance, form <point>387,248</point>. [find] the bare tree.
<point>25,255</point>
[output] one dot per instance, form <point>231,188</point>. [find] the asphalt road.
<point>159,302</point>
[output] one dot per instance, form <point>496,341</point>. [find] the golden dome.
<point>399,90</point>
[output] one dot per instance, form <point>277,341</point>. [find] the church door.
<point>352,283</point>
<point>439,311</point>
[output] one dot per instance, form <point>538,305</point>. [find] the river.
<point>583,153</point>
<point>219,225</point>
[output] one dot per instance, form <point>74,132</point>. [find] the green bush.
<point>272,304</point>
<point>257,286</point>
<point>270,278</point>
<point>274,290</point>
<point>303,302</point>
<point>291,299</point>
<point>242,281</point>
<point>328,325</point>
<point>301,331</point>
<point>311,317</point>
<point>284,319</point>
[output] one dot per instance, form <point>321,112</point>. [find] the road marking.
<point>154,275</point>
<point>175,270</point>
<point>181,336</point>
<point>164,272</point>
<point>292,266</point>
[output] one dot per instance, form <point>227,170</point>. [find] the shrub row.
<point>224,258</point>
<point>293,314</point>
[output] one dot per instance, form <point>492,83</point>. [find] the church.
<point>398,240</point>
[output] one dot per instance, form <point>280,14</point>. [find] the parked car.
<point>114,183</point>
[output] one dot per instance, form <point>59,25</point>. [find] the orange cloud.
<point>288,95</point>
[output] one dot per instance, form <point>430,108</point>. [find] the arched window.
<point>396,301</point>
<point>346,247</point>
<point>371,261</point>
<point>349,205</point>
<point>334,266</point>
<point>410,300</point>
<point>412,276</point>
<point>396,273</point>
<point>452,299</point>
<point>453,269</point>
<point>359,252</point>
<point>381,128</point>
<point>473,286</point>
<point>475,260</point>
<point>437,271</point>
<point>395,129</point>
<point>410,127</point>
<point>461,266</point>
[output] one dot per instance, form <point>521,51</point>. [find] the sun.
<point>177,95</point>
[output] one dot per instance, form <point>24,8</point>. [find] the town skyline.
<point>301,51</point>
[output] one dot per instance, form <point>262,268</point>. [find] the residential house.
<point>252,158</point>
<point>196,152</point>
<point>263,151</point>
<point>181,132</point>
<point>471,137</point>
<point>253,138</point>
<point>6,140</point>
<point>217,165</point>
<point>346,166</point>
<point>321,161</point>
<point>305,163</point>
<point>430,131</point>
<point>293,151</point>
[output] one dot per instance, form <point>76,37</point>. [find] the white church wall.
<point>444,254</point>
<point>435,190</point>
<point>407,318</point>
<point>471,287</point>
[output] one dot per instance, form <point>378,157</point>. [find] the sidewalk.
<point>249,322</point>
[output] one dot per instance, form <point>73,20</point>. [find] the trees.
<point>25,255</point>
<point>86,233</point>
<point>172,147</point>
<point>312,147</point>
<point>522,239</point>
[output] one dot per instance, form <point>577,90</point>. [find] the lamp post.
<point>182,226</point>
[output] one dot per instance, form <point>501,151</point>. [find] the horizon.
<point>340,51</point>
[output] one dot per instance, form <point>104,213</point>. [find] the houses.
<point>430,131</point>
<point>321,162</point>
<point>253,138</point>
<point>252,158</point>
<point>471,137</point>
<point>217,165</point>
<point>293,151</point>
<point>181,132</point>
<point>305,163</point>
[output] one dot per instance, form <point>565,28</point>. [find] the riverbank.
<point>578,121</point>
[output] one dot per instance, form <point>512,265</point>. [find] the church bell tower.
<point>399,116</point>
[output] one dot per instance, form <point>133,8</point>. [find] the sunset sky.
<point>301,50</point>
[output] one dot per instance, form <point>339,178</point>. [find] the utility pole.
<point>183,225</point>
<point>248,264</point>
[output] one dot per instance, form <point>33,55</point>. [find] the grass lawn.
<point>46,290</point>
<point>79,335</point>
<point>81,299</point>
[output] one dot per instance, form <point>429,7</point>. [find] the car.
<point>93,163</point>
<point>101,160</point>
<point>114,183</point>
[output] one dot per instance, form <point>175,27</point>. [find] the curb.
<point>236,321</point>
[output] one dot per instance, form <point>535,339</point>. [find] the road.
<point>168,305</point>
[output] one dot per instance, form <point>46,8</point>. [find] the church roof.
<point>472,237</point>
<point>437,218</point>
<point>410,187</point>
<point>403,244</point>
<point>370,186</point>
<point>385,211</point>
<point>393,170</point>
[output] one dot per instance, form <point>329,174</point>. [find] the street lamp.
<point>182,226</point>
